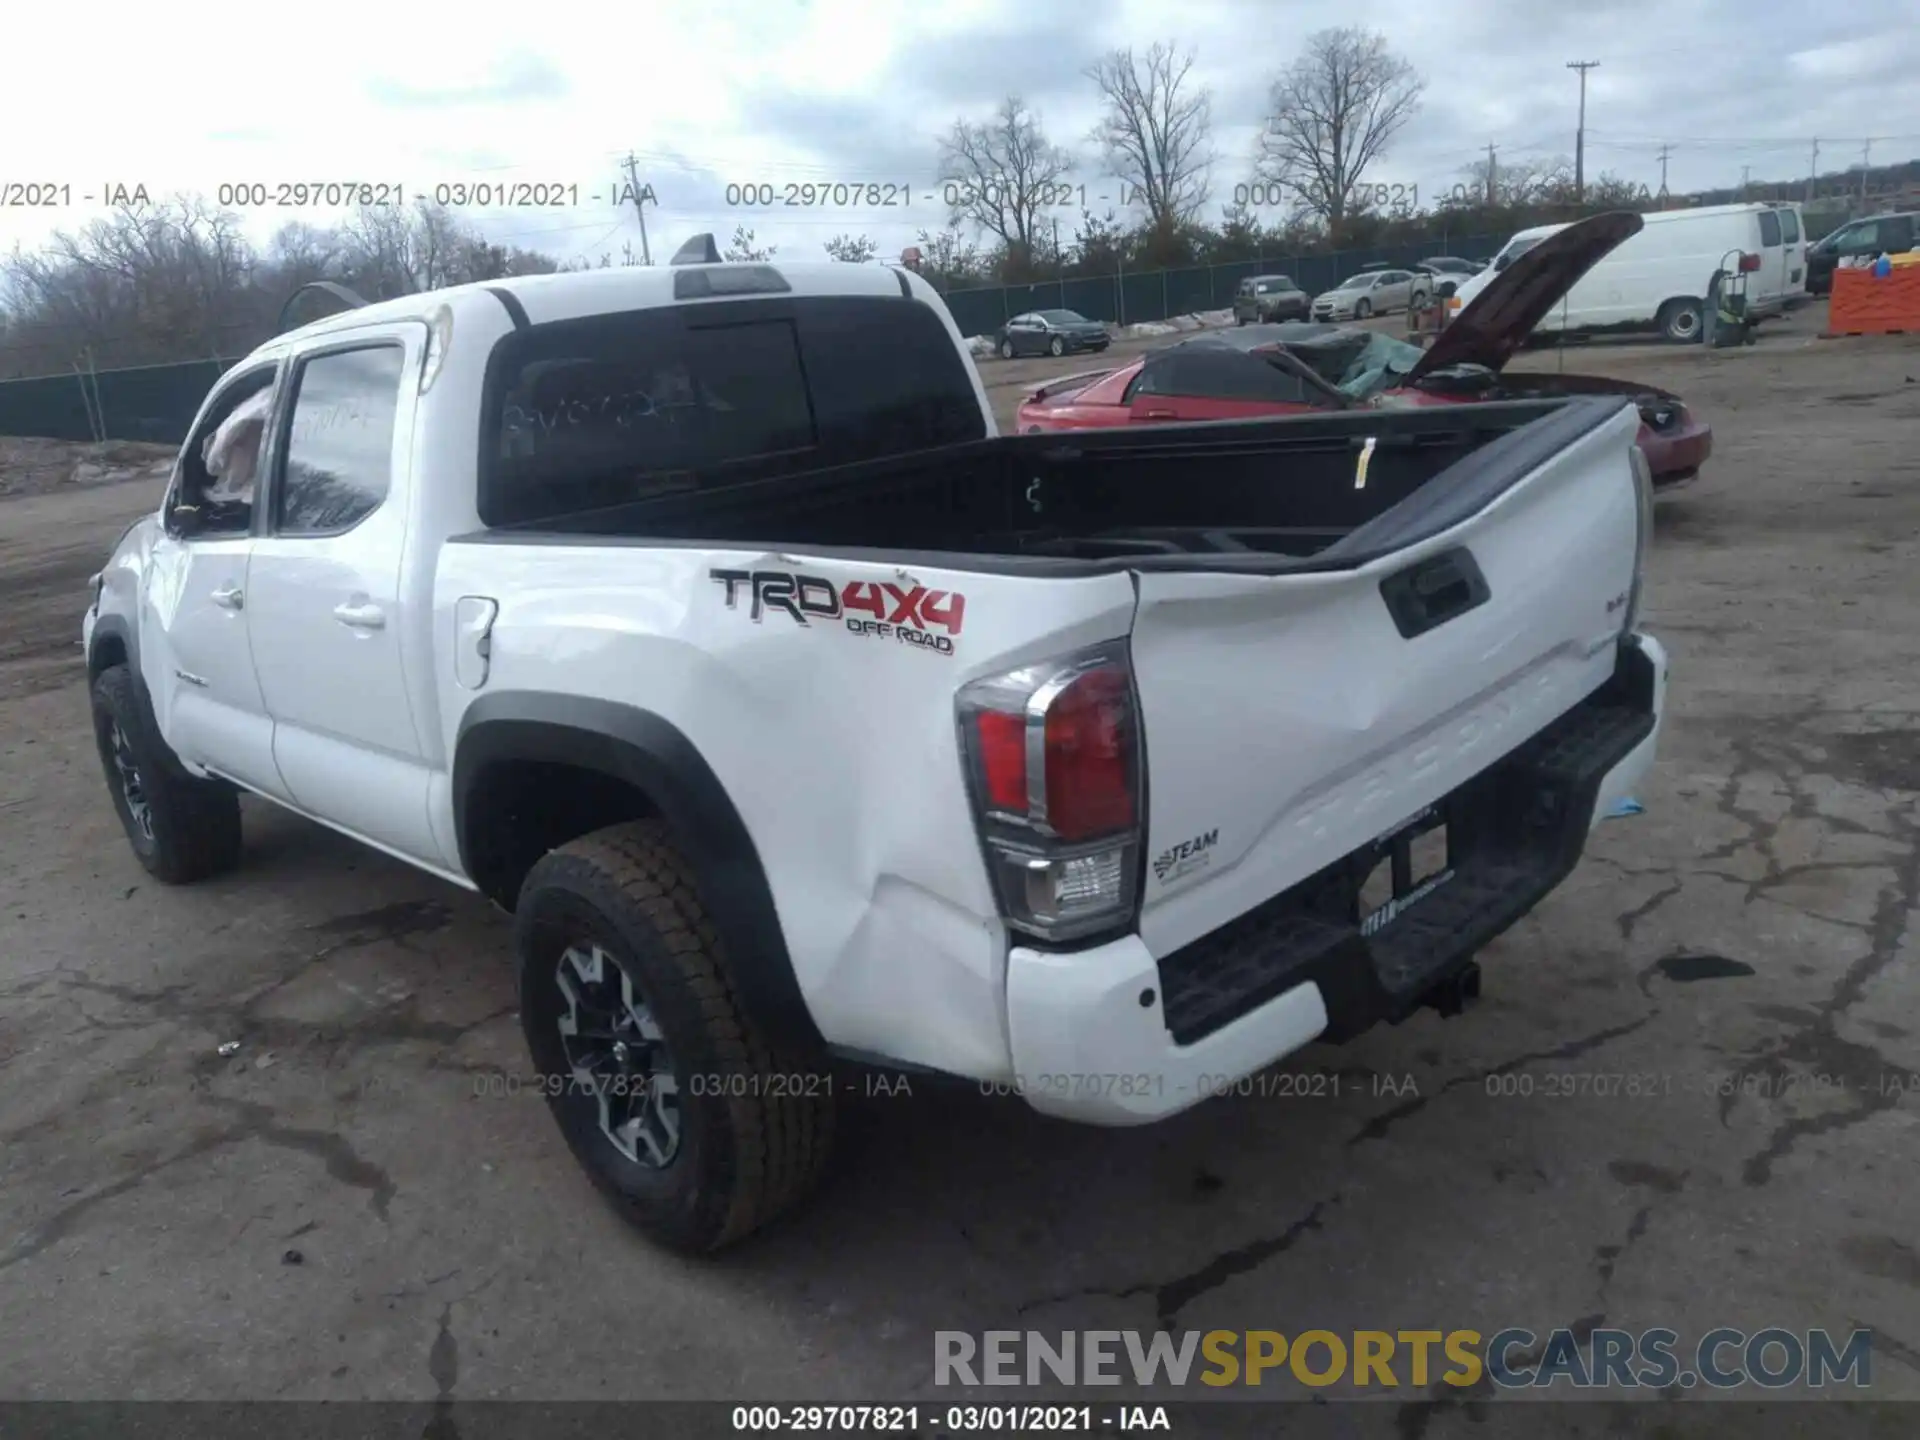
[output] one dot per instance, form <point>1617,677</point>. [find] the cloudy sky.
<point>788,92</point>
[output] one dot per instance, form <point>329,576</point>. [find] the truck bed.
<point>1287,493</point>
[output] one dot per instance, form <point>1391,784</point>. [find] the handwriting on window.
<point>349,417</point>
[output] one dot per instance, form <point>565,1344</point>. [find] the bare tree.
<point>948,260</point>
<point>1330,115</point>
<point>153,283</point>
<point>1515,182</point>
<point>856,249</point>
<point>1155,133</point>
<point>1000,175</point>
<point>743,246</point>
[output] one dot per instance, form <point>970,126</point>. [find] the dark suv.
<point>1264,298</point>
<point>1891,234</point>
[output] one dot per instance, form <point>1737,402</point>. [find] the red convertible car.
<point>1286,369</point>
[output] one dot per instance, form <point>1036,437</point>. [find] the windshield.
<point>1063,317</point>
<point>1516,249</point>
<point>1269,287</point>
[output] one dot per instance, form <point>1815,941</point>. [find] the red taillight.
<point>1089,744</point>
<point>1749,264</point>
<point>1003,759</point>
<point>1054,764</point>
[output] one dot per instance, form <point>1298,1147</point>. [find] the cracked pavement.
<point>1690,1097</point>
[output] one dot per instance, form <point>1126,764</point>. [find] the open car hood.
<point>1490,328</point>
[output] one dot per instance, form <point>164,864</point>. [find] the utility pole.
<point>639,193</point>
<point>1580,135</point>
<point>1490,174</point>
<point>1813,171</point>
<point>1665,150</point>
<point>1866,160</point>
<point>1746,171</point>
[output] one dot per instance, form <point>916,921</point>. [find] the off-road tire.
<point>756,1116</point>
<point>1682,322</point>
<point>194,824</point>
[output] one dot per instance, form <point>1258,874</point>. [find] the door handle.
<point>230,597</point>
<point>1159,415</point>
<point>366,616</point>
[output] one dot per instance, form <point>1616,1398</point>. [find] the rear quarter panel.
<point>839,750</point>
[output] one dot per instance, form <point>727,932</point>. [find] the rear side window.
<point>1769,228</point>
<point>339,440</point>
<point>1789,227</point>
<point>615,408</point>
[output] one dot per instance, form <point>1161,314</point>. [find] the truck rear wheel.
<point>181,828</point>
<point>687,1115</point>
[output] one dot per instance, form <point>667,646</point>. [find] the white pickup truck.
<point>699,617</point>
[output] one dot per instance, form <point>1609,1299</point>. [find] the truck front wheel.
<point>688,1116</point>
<point>181,828</point>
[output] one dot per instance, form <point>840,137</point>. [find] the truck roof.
<point>575,293</point>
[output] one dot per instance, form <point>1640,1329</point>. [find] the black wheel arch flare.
<point>655,757</point>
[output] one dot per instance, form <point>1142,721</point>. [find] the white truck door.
<point>194,653</point>
<point>329,614</point>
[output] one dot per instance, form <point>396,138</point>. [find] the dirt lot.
<point>350,1207</point>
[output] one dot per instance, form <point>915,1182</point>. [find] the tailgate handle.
<point>1426,596</point>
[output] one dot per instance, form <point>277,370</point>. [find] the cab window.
<point>214,493</point>
<point>1789,227</point>
<point>339,450</point>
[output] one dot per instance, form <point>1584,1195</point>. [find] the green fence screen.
<point>150,402</point>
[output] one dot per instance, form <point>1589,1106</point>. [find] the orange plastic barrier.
<point>1866,304</point>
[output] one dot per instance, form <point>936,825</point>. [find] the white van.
<point>1657,279</point>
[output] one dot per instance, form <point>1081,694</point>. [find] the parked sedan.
<point>1260,370</point>
<point>1450,267</point>
<point>1265,298</point>
<point>1371,292</point>
<point>1050,332</point>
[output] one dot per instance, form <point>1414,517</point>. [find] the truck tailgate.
<point>1291,719</point>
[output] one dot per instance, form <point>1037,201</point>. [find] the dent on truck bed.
<point>510,729</point>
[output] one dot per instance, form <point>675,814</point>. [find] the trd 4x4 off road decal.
<point>907,614</point>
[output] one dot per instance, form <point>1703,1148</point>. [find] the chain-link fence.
<point>149,402</point>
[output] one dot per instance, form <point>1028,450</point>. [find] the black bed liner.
<point>1259,495</point>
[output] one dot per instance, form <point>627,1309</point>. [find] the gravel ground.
<point>1747,945</point>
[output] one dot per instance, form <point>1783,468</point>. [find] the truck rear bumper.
<point>1114,1036</point>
